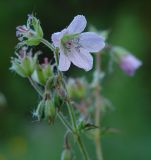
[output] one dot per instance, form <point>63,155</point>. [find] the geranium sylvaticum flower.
<point>75,46</point>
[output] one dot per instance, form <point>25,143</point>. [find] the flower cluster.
<point>57,92</point>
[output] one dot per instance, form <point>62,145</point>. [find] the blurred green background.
<point>130,25</point>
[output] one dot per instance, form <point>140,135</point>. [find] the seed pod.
<point>50,111</point>
<point>57,100</point>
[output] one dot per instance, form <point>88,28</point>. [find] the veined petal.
<point>91,41</point>
<point>81,59</point>
<point>64,62</point>
<point>57,36</point>
<point>77,25</point>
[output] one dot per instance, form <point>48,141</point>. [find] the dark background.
<point>130,25</point>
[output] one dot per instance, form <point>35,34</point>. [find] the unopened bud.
<point>42,73</point>
<point>58,100</point>
<point>76,88</point>
<point>127,62</point>
<point>66,154</point>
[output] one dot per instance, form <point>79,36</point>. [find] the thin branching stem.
<point>98,110</point>
<point>69,105</point>
<point>64,121</point>
<point>35,86</point>
<point>49,45</point>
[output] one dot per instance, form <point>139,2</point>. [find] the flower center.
<point>72,44</point>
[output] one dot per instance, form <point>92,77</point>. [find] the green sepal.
<point>68,37</point>
<point>18,69</point>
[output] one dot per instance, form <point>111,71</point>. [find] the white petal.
<point>77,25</point>
<point>91,41</point>
<point>64,62</point>
<point>57,36</point>
<point>82,59</point>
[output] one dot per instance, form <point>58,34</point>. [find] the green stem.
<point>48,44</point>
<point>36,87</point>
<point>64,121</point>
<point>69,106</point>
<point>82,148</point>
<point>80,143</point>
<point>98,111</point>
<point>72,116</point>
<point>73,120</point>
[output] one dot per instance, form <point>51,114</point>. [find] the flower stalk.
<point>69,106</point>
<point>98,111</point>
<point>49,45</point>
<point>35,86</point>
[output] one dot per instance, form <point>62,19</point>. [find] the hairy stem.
<point>73,120</point>
<point>98,111</point>
<point>48,44</point>
<point>82,148</point>
<point>69,106</point>
<point>79,141</point>
<point>64,121</point>
<point>36,87</point>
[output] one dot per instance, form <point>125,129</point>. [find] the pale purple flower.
<point>75,46</point>
<point>129,64</point>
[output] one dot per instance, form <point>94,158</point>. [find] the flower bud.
<point>42,73</point>
<point>39,113</point>
<point>127,62</point>
<point>30,34</point>
<point>66,154</point>
<point>50,111</point>
<point>24,64</point>
<point>76,88</point>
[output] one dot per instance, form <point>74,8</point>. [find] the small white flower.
<point>75,46</point>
